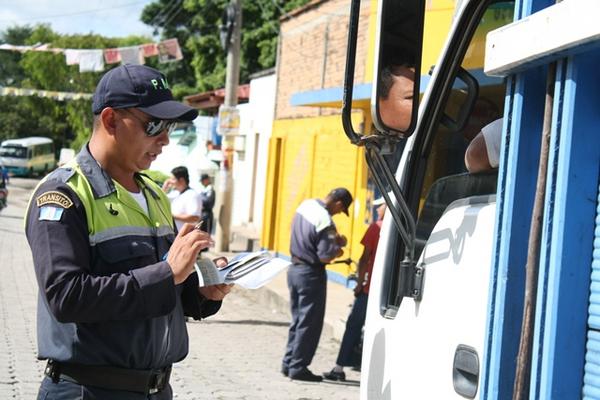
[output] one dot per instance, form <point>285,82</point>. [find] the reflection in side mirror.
<point>395,95</point>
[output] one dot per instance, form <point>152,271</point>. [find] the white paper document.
<point>249,270</point>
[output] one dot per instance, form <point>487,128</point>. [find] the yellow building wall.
<point>438,20</point>
<point>310,155</point>
<point>314,156</point>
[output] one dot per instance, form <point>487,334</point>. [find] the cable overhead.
<point>74,13</point>
<point>158,15</point>
<point>170,18</point>
<point>159,18</point>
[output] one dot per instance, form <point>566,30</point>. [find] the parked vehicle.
<point>482,282</point>
<point>28,156</point>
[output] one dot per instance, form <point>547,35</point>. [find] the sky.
<point>111,18</point>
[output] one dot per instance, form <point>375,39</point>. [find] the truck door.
<point>431,347</point>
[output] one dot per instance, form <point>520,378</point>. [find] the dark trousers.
<point>308,293</point>
<point>353,331</point>
<point>65,390</point>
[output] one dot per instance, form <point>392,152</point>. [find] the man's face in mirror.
<point>396,96</point>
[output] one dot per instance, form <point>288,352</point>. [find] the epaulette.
<point>62,174</point>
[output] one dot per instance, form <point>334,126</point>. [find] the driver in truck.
<point>396,96</point>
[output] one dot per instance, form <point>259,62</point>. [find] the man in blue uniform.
<point>115,280</point>
<point>207,194</point>
<point>315,242</point>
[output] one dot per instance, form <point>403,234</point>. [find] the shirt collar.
<point>101,183</point>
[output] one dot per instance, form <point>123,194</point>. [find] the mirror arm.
<point>354,137</point>
<point>402,217</point>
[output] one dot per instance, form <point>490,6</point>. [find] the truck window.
<point>437,174</point>
<point>446,177</point>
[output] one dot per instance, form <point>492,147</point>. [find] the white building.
<point>187,147</point>
<point>250,161</point>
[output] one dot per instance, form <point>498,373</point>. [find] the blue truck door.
<point>591,377</point>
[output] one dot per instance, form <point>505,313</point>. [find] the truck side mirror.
<point>465,92</point>
<point>396,89</point>
<point>397,69</point>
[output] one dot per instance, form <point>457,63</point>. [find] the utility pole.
<point>223,232</point>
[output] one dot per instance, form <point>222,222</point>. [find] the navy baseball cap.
<point>343,195</point>
<point>141,87</point>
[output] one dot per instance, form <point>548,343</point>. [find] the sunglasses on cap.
<point>154,127</point>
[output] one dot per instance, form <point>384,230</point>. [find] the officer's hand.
<point>184,251</point>
<point>215,292</point>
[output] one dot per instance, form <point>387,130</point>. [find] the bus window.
<point>13,152</point>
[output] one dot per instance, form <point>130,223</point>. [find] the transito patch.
<point>54,197</point>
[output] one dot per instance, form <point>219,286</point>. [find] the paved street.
<point>233,355</point>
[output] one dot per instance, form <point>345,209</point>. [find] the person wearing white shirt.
<point>186,205</point>
<point>483,152</point>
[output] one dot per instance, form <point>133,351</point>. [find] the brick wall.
<point>313,53</point>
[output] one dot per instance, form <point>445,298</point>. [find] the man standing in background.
<point>358,314</point>
<point>207,196</point>
<point>186,205</point>
<point>315,242</point>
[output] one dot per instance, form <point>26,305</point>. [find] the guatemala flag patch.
<point>50,213</point>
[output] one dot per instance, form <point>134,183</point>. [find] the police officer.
<point>115,281</point>
<point>314,243</point>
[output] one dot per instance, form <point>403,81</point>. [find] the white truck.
<point>486,285</point>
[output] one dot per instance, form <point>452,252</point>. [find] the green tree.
<point>11,73</point>
<point>69,123</point>
<point>196,25</point>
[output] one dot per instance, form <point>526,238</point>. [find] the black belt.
<point>112,378</point>
<point>298,260</point>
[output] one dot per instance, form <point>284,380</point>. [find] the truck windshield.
<point>13,151</point>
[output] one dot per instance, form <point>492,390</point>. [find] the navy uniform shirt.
<point>313,234</point>
<point>108,303</point>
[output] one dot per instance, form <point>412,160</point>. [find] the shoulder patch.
<point>54,197</point>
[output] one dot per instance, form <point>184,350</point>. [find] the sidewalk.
<point>275,295</point>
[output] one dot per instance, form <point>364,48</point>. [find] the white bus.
<point>28,156</point>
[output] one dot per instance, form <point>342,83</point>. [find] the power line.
<point>75,13</point>
<point>172,15</point>
<point>167,9</point>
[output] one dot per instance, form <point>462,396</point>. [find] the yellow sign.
<point>229,120</point>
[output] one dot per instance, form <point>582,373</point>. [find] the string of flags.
<point>51,94</point>
<point>94,60</point>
